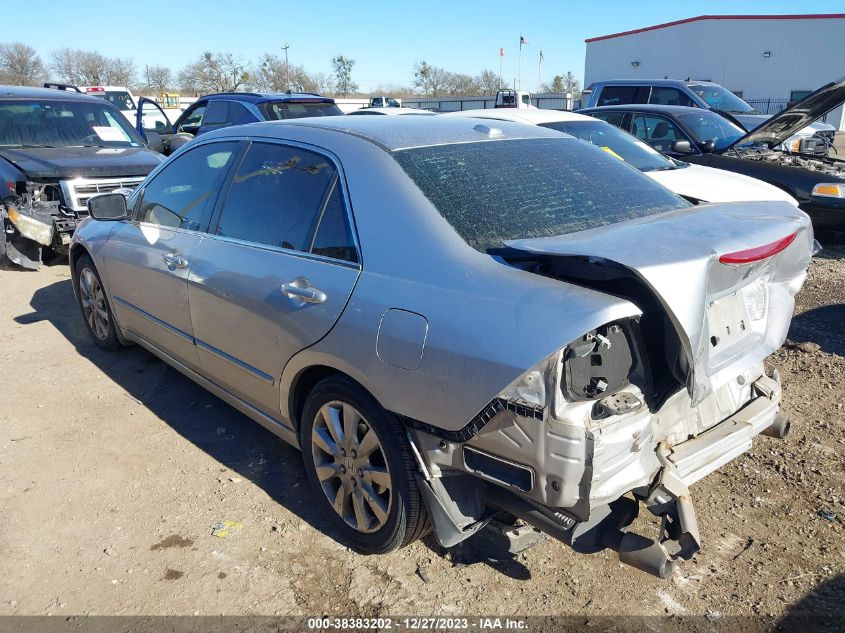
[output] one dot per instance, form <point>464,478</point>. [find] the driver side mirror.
<point>708,147</point>
<point>682,147</point>
<point>108,206</point>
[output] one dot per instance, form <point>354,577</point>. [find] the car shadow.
<point>234,440</point>
<point>824,325</point>
<point>822,610</point>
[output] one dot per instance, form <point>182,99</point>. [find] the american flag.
<point>522,41</point>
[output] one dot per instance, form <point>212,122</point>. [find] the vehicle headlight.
<point>829,190</point>
<point>30,227</point>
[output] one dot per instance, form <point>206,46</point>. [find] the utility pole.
<point>287,66</point>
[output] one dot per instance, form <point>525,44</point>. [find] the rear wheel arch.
<point>305,381</point>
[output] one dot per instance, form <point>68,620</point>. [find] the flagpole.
<point>501,55</point>
<point>520,63</point>
<point>539,67</point>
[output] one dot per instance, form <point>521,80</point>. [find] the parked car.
<point>215,111</point>
<point>385,102</point>
<point>442,346</point>
<point>391,111</point>
<point>57,149</point>
<point>697,136</point>
<point>814,138</point>
<point>696,183</point>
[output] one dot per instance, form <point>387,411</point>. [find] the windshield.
<point>709,126</point>
<point>275,110</point>
<point>57,123</point>
<point>495,191</point>
<point>719,98</point>
<point>616,142</point>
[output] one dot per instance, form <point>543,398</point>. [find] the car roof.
<point>647,107</point>
<point>649,82</point>
<point>520,115</point>
<point>397,132</point>
<point>28,92</point>
<point>261,97</point>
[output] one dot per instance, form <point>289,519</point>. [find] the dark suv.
<point>215,111</point>
<point>58,148</point>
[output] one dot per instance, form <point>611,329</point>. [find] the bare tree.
<point>159,78</point>
<point>431,81</point>
<point>92,68</point>
<point>392,90</point>
<point>213,72</point>
<point>63,65</point>
<point>270,75</point>
<point>570,83</point>
<point>342,67</point>
<point>120,71</point>
<point>20,65</point>
<point>488,82</point>
<point>460,84</point>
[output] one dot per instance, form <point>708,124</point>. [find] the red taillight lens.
<point>759,252</point>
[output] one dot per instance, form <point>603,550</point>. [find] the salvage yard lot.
<point>114,467</point>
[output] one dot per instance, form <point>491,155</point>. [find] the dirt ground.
<point>114,467</point>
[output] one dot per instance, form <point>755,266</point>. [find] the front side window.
<point>616,142</point>
<point>670,96</point>
<point>709,126</point>
<point>193,121</point>
<point>55,123</point>
<point>657,131</point>
<point>276,196</point>
<point>182,195</point>
<point>276,110</point>
<point>614,118</point>
<point>563,185</point>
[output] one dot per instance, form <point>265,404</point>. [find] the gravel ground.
<point>114,467</point>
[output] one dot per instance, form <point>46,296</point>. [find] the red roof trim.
<point>805,16</point>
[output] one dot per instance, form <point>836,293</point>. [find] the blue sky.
<point>385,38</point>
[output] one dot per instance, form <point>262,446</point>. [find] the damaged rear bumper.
<point>460,503</point>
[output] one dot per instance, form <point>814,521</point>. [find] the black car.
<point>215,111</point>
<point>57,150</point>
<point>703,137</point>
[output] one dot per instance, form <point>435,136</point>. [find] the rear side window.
<point>334,235</point>
<point>276,196</point>
<point>670,96</point>
<point>562,186</point>
<point>182,195</point>
<point>614,118</point>
<point>620,95</point>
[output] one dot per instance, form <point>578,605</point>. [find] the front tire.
<point>360,468</point>
<point>94,305</point>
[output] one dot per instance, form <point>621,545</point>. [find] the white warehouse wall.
<point>805,54</point>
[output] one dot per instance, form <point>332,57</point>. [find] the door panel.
<point>246,327</point>
<point>147,260</point>
<point>277,272</point>
<point>149,295</point>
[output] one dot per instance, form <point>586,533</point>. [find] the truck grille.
<point>77,192</point>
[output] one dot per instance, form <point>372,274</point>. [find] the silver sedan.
<point>459,323</point>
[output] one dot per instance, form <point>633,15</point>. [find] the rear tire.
<point>94,305</point>
<point>360,468</point>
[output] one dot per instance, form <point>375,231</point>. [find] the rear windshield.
<point>119,99</point>
<point>616,142</point>
<point>495,191</point>
<point>275,110</point>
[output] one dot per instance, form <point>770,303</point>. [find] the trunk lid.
<point>746,306</point>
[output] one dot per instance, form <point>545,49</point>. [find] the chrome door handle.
<point>299,288</point>
<point>175,260</point>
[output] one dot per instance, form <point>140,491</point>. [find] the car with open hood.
<point>449,339</point>
<point>696,183</point>
<point>58,148</point>
<point>705,138</point>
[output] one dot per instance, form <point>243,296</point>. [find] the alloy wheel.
<point>94,303</point>
<point>351,466</point>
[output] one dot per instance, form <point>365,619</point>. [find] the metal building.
<point>768,60</point>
